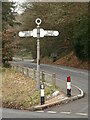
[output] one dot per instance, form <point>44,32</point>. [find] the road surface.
<point>76,109</point>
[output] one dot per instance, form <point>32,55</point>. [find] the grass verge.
<point>19,91</point>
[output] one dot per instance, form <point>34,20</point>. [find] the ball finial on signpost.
<point>38,21</point>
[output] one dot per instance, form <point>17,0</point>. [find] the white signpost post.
<point>38,33</point>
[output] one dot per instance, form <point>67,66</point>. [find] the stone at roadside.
<point>55,93</point>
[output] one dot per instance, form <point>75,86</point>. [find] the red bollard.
<point>68,86</point>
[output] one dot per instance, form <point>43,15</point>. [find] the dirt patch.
<point>72,61</point>
<point>69,60</point>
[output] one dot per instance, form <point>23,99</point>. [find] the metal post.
<point>39,33</point>
<point>38,65</point>
<point>38,22</point>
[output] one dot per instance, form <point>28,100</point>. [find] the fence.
<point>44,77</point>
<point>51,78</point>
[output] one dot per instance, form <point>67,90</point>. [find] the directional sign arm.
<point>26,33</point>
<point>51,33</point>
<point>43,33</point>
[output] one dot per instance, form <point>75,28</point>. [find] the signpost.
<point>38,33</point>
<point>43,33</point>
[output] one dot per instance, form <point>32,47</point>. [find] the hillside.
<point>72,61</point>
<point>69,60</point>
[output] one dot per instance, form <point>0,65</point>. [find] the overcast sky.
<point>20,1</point>
<point>19,10</point>
<point>52,0</point>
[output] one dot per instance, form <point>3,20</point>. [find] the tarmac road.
<point>75,109</point>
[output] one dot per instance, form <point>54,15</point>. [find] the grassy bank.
<point>19,91</point>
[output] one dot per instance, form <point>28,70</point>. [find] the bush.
<point>7,65</point>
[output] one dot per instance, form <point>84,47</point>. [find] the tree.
<point>81,39</point>
<point>59,16</point>
<point>7,31</point>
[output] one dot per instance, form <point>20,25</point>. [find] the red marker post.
<point>68,86</point>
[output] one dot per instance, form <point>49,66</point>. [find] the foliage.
<point>63,17</point>
<point>81,39</point>
<point>7,14</point>
<point>7,31</point>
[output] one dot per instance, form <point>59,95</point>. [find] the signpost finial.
<point>38,21</point>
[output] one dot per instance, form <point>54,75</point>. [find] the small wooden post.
<point>20,69</point>
<point>23,70</point>
<point>12,67</point>
<point>33,73</point>
<point>43,76</point>
<point>28,72</point>
<point>17,68</point>
<point>54,79</point>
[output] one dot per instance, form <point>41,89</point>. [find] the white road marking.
<point>53,112</point>
<point>65,112</point>
<point>40,111</point>
<point>84,114</point>
<point>71,70</point>
<point>86,73</point>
